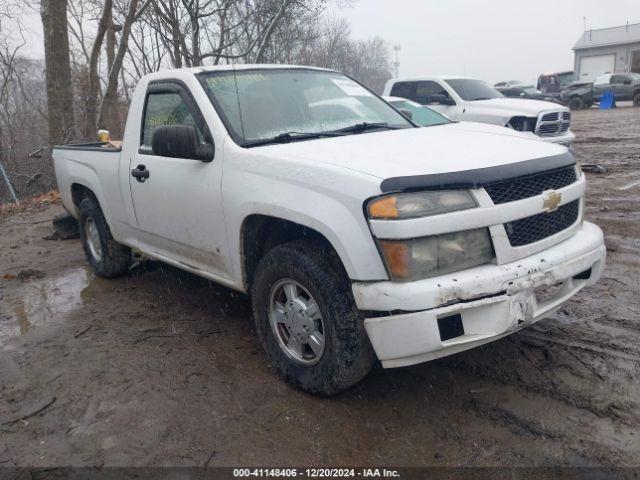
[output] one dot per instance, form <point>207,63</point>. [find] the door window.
<point>426,90</point>
<point>165,108</point>
<point>404,90</point>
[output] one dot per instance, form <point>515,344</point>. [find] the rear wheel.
<point>307,320</point>
<point>576,103</point>
<point>107,257</point>
<point>636,99</point>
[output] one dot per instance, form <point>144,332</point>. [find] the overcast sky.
<point>489,39</point>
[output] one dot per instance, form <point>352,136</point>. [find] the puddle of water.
<point>27,305</point>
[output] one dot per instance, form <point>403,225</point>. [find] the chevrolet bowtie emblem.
<point>551,201</point>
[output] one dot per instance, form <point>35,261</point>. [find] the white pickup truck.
<point>357,234</point>
<point>468,99</point>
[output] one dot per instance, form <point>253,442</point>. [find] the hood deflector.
<point>477,178</point>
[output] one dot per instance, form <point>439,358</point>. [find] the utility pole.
<point>396,49</point>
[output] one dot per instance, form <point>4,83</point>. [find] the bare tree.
<point>134,11</point>
<point>91,105</point>
<point>57,70</point>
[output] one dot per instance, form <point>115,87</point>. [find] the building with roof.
<point>607,50</point>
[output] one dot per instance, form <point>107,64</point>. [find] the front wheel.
<point>576,103</point>
<point>307,320</point>
<point>636,100</point>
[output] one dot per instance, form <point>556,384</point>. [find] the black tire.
<point>636,99</point>
<point>115,259</point>
<point>348,355</point>
<point>576,103</point>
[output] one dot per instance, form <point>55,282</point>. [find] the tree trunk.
<point>90,128</point>
<point>57,70</point>
<point>273,24</point>
<point>111,92</point>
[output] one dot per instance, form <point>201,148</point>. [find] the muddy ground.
<point>163,368</point>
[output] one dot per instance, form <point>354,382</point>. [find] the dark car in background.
<point>577,95</point>
<point>526,91</point>
<point>509,83</point>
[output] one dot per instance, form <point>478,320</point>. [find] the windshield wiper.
<point>480,98</point>
<point>287,137</point>
<point>364,126</point>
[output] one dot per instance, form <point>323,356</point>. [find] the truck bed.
<point>93,165</point>
<point>111,146</point>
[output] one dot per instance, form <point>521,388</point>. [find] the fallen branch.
<point>32,414</point>
<point>79,334</point>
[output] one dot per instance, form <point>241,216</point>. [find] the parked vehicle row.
<point>474,100</point>
<point>358,234</point>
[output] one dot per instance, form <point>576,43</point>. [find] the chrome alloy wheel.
<point>93,239</point>
<point>296,322</point>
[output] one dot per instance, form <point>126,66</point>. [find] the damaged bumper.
<point>459,311</point>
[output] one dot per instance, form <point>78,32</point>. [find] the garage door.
<point>593,67</point>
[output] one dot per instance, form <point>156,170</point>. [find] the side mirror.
<point>180,141</point>
<point>406,113</point>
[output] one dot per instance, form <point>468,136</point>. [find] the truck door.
<point>622,87</point>
<point>177,201</point>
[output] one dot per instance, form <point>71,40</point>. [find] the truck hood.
<point>447,148</point>
<point>516,106</point>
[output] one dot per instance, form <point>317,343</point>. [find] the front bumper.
<point>565,139</point>
<point>489,302</point>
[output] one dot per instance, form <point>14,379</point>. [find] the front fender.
<point>339,217</point>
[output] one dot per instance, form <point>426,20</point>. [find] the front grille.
<point>551,117</point>
<point>553,124</point>
<point>531,186</point>
<point>538,227</point>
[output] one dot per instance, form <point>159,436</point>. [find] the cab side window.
<point>404,90</point>
<point>165,108</point>
<point>425,92</point>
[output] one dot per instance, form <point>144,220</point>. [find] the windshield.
<point>566,79</point>
<point>423,116</point>
<point>262,104</point>
<point>471,90</point>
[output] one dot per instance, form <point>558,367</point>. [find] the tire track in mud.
<point>573,440</point>
<point>589,345</point>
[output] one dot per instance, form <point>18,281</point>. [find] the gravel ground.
<point>162,368</point>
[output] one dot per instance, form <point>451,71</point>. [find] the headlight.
<point>422,204</point>
<point>523,124</point>
<point>431,256</point>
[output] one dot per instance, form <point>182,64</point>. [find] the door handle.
<point>140,173</point>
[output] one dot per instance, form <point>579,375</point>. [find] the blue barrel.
<point>608,100</point>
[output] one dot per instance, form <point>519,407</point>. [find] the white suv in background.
<point>469,99</point>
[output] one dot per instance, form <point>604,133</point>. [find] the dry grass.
<point>30,204</point>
